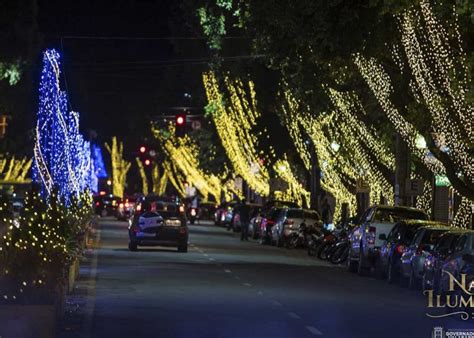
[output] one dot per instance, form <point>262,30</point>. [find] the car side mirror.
<point>383,237</point>
<point>468,258</point>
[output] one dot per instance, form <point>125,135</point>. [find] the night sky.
<point>139,69</point>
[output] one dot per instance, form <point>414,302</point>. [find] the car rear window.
<point>295,214</point>
<point>394,215</point>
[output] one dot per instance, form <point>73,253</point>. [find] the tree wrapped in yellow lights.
<point>432,61</point>
<point>120,166</point>
<point>141,169</point>
<point>15,170</point>
<point>235,121</point>
<point>295,191</point>
<point>182,153</point>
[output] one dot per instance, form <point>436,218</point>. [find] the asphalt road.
<point>225,288</point>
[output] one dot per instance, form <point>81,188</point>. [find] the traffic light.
<point>180,125</point>
<point>147,162</point>
<point>142,149</point>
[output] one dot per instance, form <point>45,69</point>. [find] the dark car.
<point>414,255</point>
<point>434,261</point>
<point>158,221</point>
<point>223,214</point>
<point>106,205</point>
<point>388,261</point>
<point>459,262</point>
<point>206,210</point>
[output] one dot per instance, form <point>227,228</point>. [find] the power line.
<point>89,37</point>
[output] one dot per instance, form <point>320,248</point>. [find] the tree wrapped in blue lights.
<point>62,158</point>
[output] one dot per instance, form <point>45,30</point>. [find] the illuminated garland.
<point>176,182</point>
<point>235,123</point>
<point>141,169</point>
<point>120,166</point>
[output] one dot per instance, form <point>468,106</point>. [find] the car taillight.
<point>371,235</point>
<point>127,205</point>
<point>181,208</point>
<point>121,205</point>
<point>193,212</point>
<point>400,249</point>
<point>139,207</point>
<point>97,204</point>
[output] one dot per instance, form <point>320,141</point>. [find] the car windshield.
<point>432,236</point>
<point>395,215</point>
<point>295,213</point>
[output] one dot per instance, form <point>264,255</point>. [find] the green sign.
<point>442,181</point>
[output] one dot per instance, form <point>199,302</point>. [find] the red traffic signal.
<point>147,162</point>
<point>180,127</point>
<point>142,149</point>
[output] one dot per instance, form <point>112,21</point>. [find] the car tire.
<point>183,247</point>
<point>351,264</point>
<point>413,281</point>
<point>132,246</point>
<point>379,272</point>
<point>362,270</point>
<point>392,274</point>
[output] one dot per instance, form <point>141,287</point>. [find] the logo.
<point>458,300</point>
<point>438,332</point>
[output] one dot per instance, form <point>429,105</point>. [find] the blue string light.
<point>62,158</point>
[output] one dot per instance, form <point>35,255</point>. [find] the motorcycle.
<point>314,242</point>
<point>298,238</point>
<point>192,215</point>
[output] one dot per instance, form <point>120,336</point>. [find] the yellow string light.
<point>120,166</point>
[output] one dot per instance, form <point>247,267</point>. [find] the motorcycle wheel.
<point>323,250</point>
<point>340,254</point>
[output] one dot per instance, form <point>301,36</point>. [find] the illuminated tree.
<point>62,159</point>
<point>15,171</point>
<point>141,169</point>
<point>120,166</point>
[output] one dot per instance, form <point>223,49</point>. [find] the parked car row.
<point>399,244</point>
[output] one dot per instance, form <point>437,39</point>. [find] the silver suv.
<point>376,223</point>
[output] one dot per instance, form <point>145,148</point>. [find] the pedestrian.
<point>244,213</point>
<point>326,212</point>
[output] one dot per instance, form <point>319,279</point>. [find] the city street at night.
<point>225,288</point>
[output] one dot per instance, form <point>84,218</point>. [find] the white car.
<point>376,223</point>
<point>289,221</point>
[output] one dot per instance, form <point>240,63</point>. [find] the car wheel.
<point>183,247</point>
<point>361,268</point>
<point>392,275</point>
<point>132,246</point>
<point>351,265</point>
<point>379,270</point>
<point>412,281</point>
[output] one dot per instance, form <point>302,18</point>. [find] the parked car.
<point>158,221</point>
<point>125,208</point>
<point>267,222</point>
<point>434,261</point>
<point>289,220</point>
<point>365,241</point>
<point>106,205</point>
<point>388,262</point>
<point>207,210</point>
<point>412,260</point>
<point>459,262</point>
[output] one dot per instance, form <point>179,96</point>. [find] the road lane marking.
<point>293,315</point>
<point>211,259</point>
<point>260,293</point>
<point>274,302</point>
<point>227,271</point>
<point>237,277</point>
<point>314,330</point>
<point>206,255</point>
<point>247,284</point>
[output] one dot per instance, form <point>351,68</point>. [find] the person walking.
<point>244,213</point>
